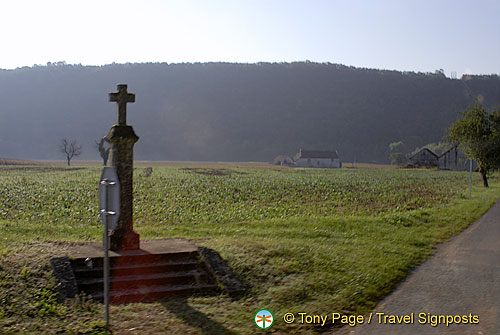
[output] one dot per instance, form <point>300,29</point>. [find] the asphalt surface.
<point>461,279</point>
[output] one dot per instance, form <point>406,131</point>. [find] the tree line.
<point>234,112</point>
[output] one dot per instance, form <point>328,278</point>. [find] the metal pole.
<point>470,179</point>
<point>106,258</point>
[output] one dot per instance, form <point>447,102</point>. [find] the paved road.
<point>462,278</point>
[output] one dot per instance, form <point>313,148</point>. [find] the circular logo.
<point>264,319</point>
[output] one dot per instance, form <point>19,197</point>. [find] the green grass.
<point>315,241</point>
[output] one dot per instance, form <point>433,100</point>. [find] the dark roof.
<point>425,149</point>
<point>318,154</point>
<point>451,148</point>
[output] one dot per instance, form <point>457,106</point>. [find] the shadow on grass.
<point>194,318</point>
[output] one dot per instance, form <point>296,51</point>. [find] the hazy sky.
<point>419,35</point>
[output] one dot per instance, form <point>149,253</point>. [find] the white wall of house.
<point>318,162</point>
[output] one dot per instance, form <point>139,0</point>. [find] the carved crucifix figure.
<point>122,97</point>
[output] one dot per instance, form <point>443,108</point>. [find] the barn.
<point>424,157</point>
<point>454,159</point>
<point>318,159</point>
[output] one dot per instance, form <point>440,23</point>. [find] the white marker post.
<point>109,208</point>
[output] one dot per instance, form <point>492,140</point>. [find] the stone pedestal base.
<point>127,241</point>
<point>141,275</point>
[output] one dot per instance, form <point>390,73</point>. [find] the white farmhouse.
<point>318,159</point>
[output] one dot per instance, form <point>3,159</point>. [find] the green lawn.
<point>301,240</point>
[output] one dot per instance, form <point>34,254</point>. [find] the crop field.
<point>301,240</point>
<point>46,195</point>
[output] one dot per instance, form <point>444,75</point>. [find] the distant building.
<point>283,160</point>
<point>424,157</point>
<point>318,159</point>
<point>454,159</point>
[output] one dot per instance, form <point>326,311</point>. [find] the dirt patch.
<point>213,172</point>
<point>6,161</point>
<point>40,169</point>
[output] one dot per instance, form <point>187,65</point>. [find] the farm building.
<point>283,160</point>
<point>424,157</point>
<point>454,159</point>
<point>318,159</point>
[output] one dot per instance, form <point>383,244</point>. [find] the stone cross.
<point>122,139</point>
<point>121,98</point>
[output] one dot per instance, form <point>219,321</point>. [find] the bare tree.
<point>103,150</point>
<point>70,148</point>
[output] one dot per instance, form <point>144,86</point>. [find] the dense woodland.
<point>233,112</point>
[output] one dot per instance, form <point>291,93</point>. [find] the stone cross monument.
<point>122,139</point>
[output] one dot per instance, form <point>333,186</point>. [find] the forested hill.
<point>233,112</point>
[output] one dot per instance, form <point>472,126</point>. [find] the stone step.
<point>137,269</point>
<point>127,282</point>
<point>145,277</point>
<point>137,259</point>
<point>155,293</point>
<point>159,269</point>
